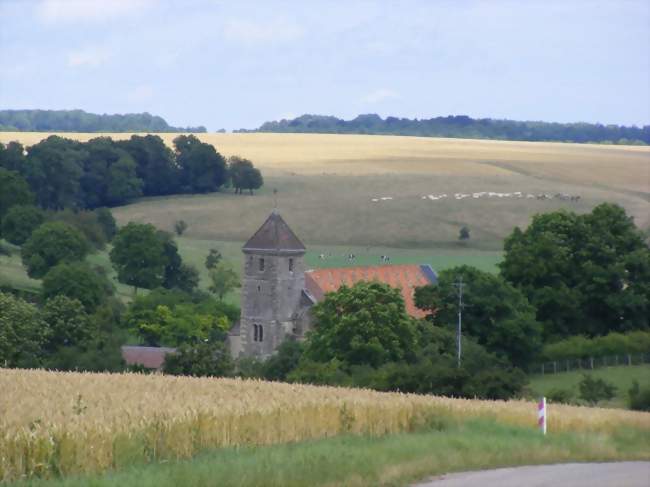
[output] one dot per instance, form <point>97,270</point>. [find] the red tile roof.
<point>149,357</point>
<point>405,277</point>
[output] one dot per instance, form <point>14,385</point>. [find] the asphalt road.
<point>620,474</point>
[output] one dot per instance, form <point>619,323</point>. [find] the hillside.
<point>330,188</point>
<point>81,121</point>
<point>462,126</point>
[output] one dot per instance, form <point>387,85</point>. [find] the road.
<point>620,474</point>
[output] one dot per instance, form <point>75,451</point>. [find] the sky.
<point>236,64</point>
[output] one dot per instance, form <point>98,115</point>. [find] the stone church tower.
<point>272,288</point>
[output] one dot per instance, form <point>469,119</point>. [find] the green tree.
<point>202,168</point>
<point>22,333</point>
<point>19,223</point>
<point>223,279</point>
<point>180,226</point>
<point>497,314</point>
<point>123,184</point>
<point>79,282</point>
<point>155,164</point>
<point>176,274</point>
<point>212,259</point>
<point>595,390</point>
<point>199,360</point>
<point>363,324</point>
<point>585,274</point>
<point>280,364</point>
<point>53,170</point>
<point>51,244</point>
<point>86,222</point>
<point>107,222</point>
<point>244,175</point>
<point>138,256</point>
<point>12,156</point>
<point>67,321</point>
<point>14,190</point>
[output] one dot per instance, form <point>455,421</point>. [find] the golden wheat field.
<point>330,187</point>
<point>56,423</point>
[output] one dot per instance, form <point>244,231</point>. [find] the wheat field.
<point>56,423</point>
<point>330,187</point>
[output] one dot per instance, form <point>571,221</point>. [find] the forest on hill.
<point>462,126</point>
<point>81,121</point>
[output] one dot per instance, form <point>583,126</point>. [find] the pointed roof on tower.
<point>274,236</point>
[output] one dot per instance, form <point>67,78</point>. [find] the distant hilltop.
<point>462,126</point>
<point>81,121</point>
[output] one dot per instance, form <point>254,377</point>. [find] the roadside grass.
<point>392,460</point>
<point>622,377</point>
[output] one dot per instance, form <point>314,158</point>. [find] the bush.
<point>639,399</point>
<point>563,396</point>
<point>594,390</point>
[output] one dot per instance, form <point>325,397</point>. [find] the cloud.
<point>90,56</point>
<point>249,32</point>
<point>74,11</point>
<point>377,96</point>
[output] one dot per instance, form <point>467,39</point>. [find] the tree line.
<point>81,121</point>
<point>59,173</point>
<point>462,126</point>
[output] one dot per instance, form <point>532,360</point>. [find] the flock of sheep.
<point>492,194</point>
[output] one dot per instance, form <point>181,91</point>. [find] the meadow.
<point>78,423</point>
<point>621,377</point>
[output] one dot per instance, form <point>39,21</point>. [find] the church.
<point>278,291</point>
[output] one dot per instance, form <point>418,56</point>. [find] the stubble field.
<point>330,190</point>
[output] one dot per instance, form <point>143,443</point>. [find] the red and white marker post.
<point>541,415</point>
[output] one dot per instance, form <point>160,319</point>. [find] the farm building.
<point>278,292</point>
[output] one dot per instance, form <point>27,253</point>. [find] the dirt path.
<point>620,474</point>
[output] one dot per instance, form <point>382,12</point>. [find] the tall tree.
<point>53,170</point>
<point>202,168</point>
<point>223,280</point>
<point>497,315</point>
<point>19,223</point>
<point>155,164</point>
<point>12,156</point>
<point>363,324</point>
<point>138,256</point>
<point>585,274</point>
<point>14,190</point>
<point>79,282</point>
<point>51,244</point>
<point>68,322</point>
<point>244,175</point>
<point>22,332</point>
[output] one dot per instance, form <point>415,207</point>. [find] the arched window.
<point>255,333</point>
<point>262,264</point>
<point>290,265</point>
<point>261,333</point>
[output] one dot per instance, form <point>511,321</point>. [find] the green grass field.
<point>393,460</point>
<point>194,251</point>
<point>622,377</point>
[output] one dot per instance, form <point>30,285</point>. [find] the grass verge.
<point>392,460</point>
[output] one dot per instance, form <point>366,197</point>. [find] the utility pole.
<point>459,285</point>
